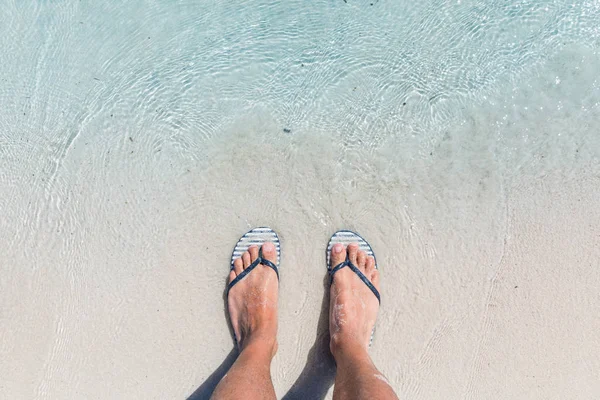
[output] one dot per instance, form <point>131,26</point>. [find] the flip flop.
<point>256,236</point>
<point>347,237</point>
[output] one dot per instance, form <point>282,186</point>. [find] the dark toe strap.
<point>362,277</point>
<point>259,260</point>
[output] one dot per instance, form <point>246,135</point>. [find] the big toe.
<point>338,254</point>
<point>269,252</point>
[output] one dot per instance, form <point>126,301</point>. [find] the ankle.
<point>347,347</point>
<point>259,344</point>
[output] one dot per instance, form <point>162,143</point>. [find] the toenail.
<point>337,248</point>
<point>268,247</point>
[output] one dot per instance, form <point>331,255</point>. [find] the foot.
<point>252,301</point>
<point>353,307</point>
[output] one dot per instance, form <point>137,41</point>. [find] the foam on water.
<point>139,140</point>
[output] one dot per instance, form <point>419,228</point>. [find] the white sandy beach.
<point>126,179</point>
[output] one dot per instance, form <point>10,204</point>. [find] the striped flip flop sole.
<point>256,236</point>
<point>346,237</point>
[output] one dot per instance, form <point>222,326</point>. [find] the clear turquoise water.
<point>132,131</point>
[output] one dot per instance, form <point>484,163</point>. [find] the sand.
<point>130,164</point>
<point>489,289</point>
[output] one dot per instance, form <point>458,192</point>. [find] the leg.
<point>252,304</point>
<point>353,310</point>
<point>249,377</point>
<point>357,378</point>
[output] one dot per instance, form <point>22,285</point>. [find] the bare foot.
<point>353,307</point>
<point>252,301</point>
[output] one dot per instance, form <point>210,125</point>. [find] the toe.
<point>362,261</point>
<point>238,266</point>
<point>338,254</point>
<point>353,253</point>
<point>253,250</point>
<point>232,276</point>
<point>374,278</point>
<point>269,252</point>
<point>369,266</point>
<point>371,272</point>
<point>246,259</point>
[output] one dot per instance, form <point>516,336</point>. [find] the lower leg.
<point>250,375</point>
<point>357,378</point>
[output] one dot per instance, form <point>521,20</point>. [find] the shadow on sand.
<point>205,390</point>
<point>318,374</point>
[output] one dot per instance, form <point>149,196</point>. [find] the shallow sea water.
<point>140,139</point>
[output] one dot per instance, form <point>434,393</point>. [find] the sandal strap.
<point>258,261</point>
<point>362,277</point>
